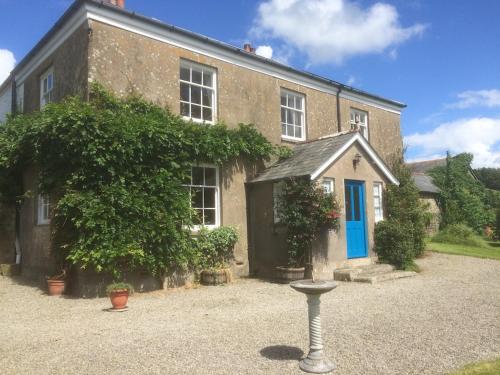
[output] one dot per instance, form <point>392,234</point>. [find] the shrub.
<point>304,208</point>
<point>407,219</point>
<point>215,247</point>
<point>458,234</point>
<point>118,168</point>
<point>394,243</point>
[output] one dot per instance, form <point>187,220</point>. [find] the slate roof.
<point>424,183</point>
<point>306,159</point>
<point>426,165</point>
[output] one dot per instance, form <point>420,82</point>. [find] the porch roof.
<point>314,157</point>
<point>424,183</point>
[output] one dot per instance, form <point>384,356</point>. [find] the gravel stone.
<point>442,319</point>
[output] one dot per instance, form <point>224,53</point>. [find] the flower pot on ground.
<point>286,275</point>
<point>56,285</point>
<point>216,277</point>
<point>118,294</point>
<point>215,252</point>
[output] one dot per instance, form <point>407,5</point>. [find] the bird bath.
<point>315,362</point>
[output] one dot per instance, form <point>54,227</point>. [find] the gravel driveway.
<point>446,317</point>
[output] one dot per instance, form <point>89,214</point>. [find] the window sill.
<point>197,121</point>
<point>292,139</point>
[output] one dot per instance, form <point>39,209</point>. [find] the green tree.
<point>463,198</point>
<point>490,177</point>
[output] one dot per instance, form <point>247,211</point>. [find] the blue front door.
<point>355,219</point>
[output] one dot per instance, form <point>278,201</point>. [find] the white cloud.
<point>351,80</point>
<point>265,51</point>
<point>7,63</point>
<point>332,30</point>
<point>480,98</point>
<point>479,136</point>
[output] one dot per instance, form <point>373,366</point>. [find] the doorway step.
<point>371,274</point>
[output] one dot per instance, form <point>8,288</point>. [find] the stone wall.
<point>431,201</point>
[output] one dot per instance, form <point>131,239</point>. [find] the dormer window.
<point>359,120</point>
<point>46,88</point>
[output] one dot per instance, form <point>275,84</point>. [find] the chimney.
<point>248,48</point>
<point>118,3</point>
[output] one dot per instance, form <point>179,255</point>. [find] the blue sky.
<point>442,58</point>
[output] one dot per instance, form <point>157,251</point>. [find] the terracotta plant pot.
<point>119,299</point>
<point>56,287</point>
<point>286,275</point>
<point>216,277</point>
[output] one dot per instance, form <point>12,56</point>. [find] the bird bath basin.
<point>315,362</point>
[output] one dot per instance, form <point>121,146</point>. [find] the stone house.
<point>342,137</point>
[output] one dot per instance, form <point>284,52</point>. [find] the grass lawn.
<point>491,250</point>
<point>481,368</point>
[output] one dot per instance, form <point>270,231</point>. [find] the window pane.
<point>185,109</point>
<point>283,129</point>
<point>355,203</point>
<point>289,116</point>
<point>195,111</point>
<point>207,97</point>
<point>207,114</point>
<point>298,103</point>
<point>298,118</point>
<point>197,175</point>
<point>45,85</point>
<point>348,206</point>
<point>283,99</point>
<point>298,132</point>
<point>195,95</point>
<point>210,177</point>
<point>283,114</point>
<point>289,130</point>
<point>196,76</point>
<point>49,82</point>
<point>185,92</point>
<point>291,101</point>
<point>197,197</point>
<point>185,74</point>
<point>198,217</point>
<point>207,78</point>
<point>209,217</point>
<point>209,198</point>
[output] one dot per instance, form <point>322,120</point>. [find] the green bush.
<point>459,234</point>
<point>118,169</point>
<point>305,209</point>
<point>214,248</point>
<point>394,243</point>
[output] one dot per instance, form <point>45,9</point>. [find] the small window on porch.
<point>377,201</point>
<point>329,185</point>
<point>43,210</point>
<point>277,191</point>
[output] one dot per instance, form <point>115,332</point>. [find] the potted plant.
<point>215,251</point>
<point>118,294</point>
<point>305,209</point>
<point>56,285</point>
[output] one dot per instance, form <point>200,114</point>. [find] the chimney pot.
<point>118,3</point>
<point>248,48</point>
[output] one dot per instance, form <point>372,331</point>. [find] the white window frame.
<point>301,112</point>
<point>277,191</point>
<point>203,68</point>
<point>378,210</point>
<point>355,120</point>
<point>328,184</point>
<point>20,98</point>
<point>43,210</point>
<point>217,195</point>
<point>47,95</point>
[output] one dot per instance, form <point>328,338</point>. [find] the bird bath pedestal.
<point>315,362</point>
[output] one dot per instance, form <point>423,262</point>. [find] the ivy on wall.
<point>116,168</point>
